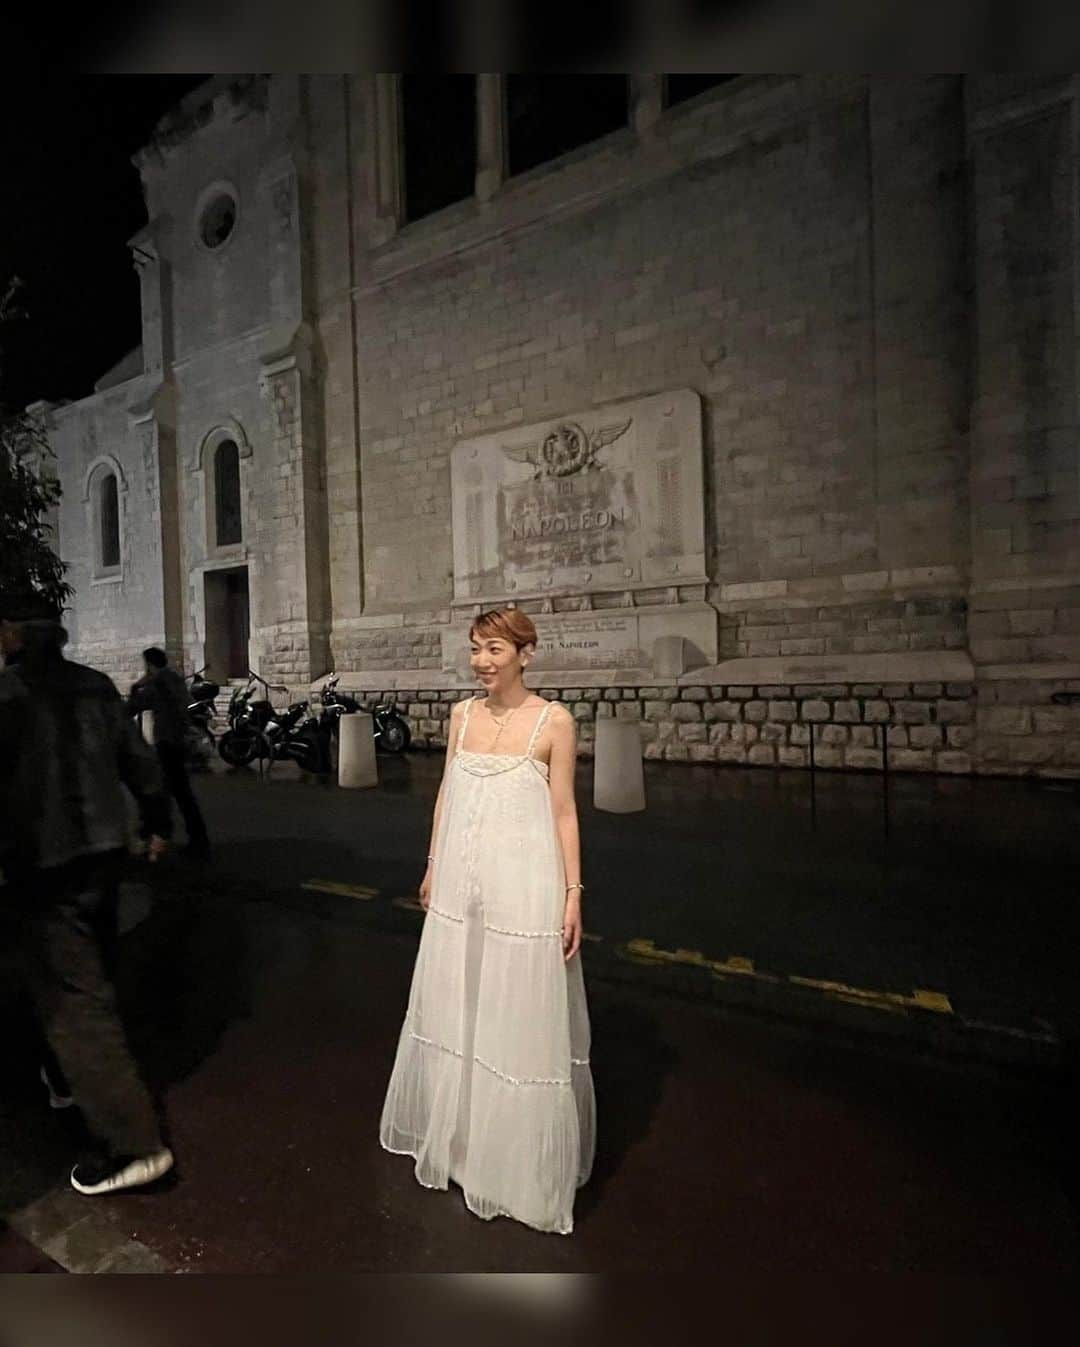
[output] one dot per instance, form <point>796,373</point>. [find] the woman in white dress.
<point>491,1086</point>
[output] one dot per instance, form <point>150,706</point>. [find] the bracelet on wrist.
<point>431,860</point>
<point>571,887</point>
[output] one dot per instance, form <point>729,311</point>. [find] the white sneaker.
<point>121,1171</point>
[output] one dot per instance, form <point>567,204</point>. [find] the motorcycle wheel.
<point>238,748</point>
<point>309,758</point>
<point>395,736</point>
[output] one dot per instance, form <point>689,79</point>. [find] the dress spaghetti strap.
<point>464,723</point>
<point>540,719</point>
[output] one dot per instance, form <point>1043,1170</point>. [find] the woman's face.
<point>497,664</point>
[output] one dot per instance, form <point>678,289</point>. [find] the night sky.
<point>71,200</point>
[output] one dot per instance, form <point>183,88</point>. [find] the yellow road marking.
<point>412,904</point>
<point>932,1001</point>
<point>342,890</point>
<point>645,951</point>
<point>921,1000</point>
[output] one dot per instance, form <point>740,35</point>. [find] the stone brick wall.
<point>744,272</point>
<point>1021,732</point>
<point>216,397</point>
<point>734,255</point>
<point>1025,469</point>
<point>929,727</point>
<point>866,626</point>
<point>871,283</point>
<point>237,362</point>
<point>388,648</point>
<point>801,251</point>
<point>1001,728</point>
<point>114,616</point>
<point>216,295</point>
<point>1024,623</point>
<point>337,183</point>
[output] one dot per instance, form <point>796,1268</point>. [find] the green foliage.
<point>28,491</point>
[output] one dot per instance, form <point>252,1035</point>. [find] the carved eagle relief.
<point>566,449</point>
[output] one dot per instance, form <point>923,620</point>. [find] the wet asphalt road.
<point>970,893</point>
<point>267,1015</point>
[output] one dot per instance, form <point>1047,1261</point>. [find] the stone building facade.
<point>837,315</point>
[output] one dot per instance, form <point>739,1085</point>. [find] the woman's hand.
<point>571,931</point>
<point>425,887</point>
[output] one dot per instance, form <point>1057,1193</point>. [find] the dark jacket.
<point>67,750</point>
<point>165,693</point>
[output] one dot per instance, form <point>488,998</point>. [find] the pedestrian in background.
<point>163,692</point>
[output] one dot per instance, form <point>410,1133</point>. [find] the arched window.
<point>108,522</point>
<point>228,525</point>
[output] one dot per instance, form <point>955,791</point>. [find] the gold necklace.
<point>502,724</point>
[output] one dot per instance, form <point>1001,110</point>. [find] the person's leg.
<point>22,1017</point>
<point>52,1076</point>
<point>77,1007</point>
<point>171,757</point>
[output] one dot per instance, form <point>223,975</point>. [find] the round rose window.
<point>217,220</point>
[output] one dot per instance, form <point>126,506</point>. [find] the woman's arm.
<point>561,777</point>
<point>456,712</point>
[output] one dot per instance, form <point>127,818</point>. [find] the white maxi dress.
<point>491,1085</point>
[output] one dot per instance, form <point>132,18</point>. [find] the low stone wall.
<point>1020,731</point>
<point>994,726</point>
<point>929,726</point>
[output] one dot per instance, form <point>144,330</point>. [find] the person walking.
<point>163,692</point>
<point>67,750</point>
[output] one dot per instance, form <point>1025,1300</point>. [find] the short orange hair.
<point>506,624</point>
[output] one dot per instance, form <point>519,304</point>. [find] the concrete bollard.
<point>357,767</point>
<point>618,774</point>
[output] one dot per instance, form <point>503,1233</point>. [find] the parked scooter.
<point>390,728</point>
<point>199,739</point>
<point>258,732</point>
<point>249,712</point>
<point>249,704</point>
